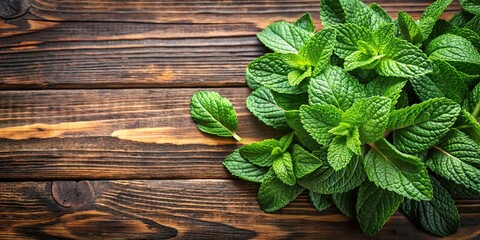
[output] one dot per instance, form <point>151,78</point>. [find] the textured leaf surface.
<point>472,101</point>
<point>318,120</point>
<point>326,180</point>
<point>336,87</point>
<point>263,105</point>
<point>271,71</point>
<point>331,12</point>
<point>386,86</point>
<point>346,202</point>
<point>348,36</point>
<point>469,125</point>
<point>319,48</point>
<point>409,30</point>
<point>339,155</point>
<point>214,114</point>
<point>457,158</point>
<point>242,168</point>
<point>453,48</point>
<point>293,119</point>
<point>251,83</point>
<point>381,12</point>
<point>290,101</point>
<point>283,168</point>
<point>284,37</point>
<point>431,15</point>
<point>472,6</point>
<point>320,201</point>
<point>418,127</point>
<point>274,194</point>
<point>458,190</point>
<point>375,206</point>
<point>392,170</point>
<point>438,216</point>
<point>304,162</point>
<point>305,22</point>
<point>260,153</point>
<point>359,13</point>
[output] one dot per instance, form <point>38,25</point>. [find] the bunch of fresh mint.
<point>382,114</point>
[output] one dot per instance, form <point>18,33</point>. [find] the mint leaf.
<point>472,101</point>
<point>274,194</point>
<point>320,201</point>
<point>431,15</point>
<point>251,83</point>
<point>353,141</point>
<point>285,141</point>
<point>420,126</point>
<point>438,216</point>
<point>293,119</point>
<point>290,101</point>
<point>472,6</point>
<point>271,71</point>
<point>339,155</point>
<point>345,202</point>
<point>336,87</point>
<point>260,153</point>
<point>318,120</point>
<point>242,168</point>
<point>409,30</point>
<point>389,87</point>
<point>283,168</point>
<point>381,12</point>
<point>319,48</point>
<point>326,180</point>
<point>473,24</point>
<point>458,190</point>
<point>214,114</point>
<point>331,12</point>
<point>375,206</point>
<point>395,171</point>
<point>284,37</point>
<point>303,161</point>
<point>295,77</point>
<point>348,36</point>
<point>359,13</point>
<point>453,49</point>
<point>263,105</point>
<point>444,81</point>
<point>461,18</point>
<point>305,22</point>
<point>361,59</point>
<point>469,125</point>
<point>370,115</point>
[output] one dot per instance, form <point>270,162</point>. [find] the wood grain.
<point>188,209</point>
<point>114,134</point>
<point>112,44</point>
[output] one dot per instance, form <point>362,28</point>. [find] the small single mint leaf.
<point>260,153</point>
<point>242,168</point>
<point>284,37</point>
<point>339,155</point>
<point>263,105</point>
<point>305,22</point>
<point>331,12</point>
<point>283,167</point>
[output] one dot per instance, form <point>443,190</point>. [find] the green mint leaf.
<point>359,13</point>
<point>431,15</point>
<point>303,161</point>
<point>339,155</point>
<point>361,59</point>
<point>242,168</point>
<point>295,77</point>
<point>271,71</point>
<point>263,105</point>
<point>472,6</point>
<point>285,141</point>
<point>469,125</point>
<point>389,87</point>
<point>251,83</point>
<point>305,22</point>
<point>444,81</point>
<point>409,30</point>
<point>381,12</point>
<point>283,168</point>
<point>458,190</point>
<point>472,101</point>
<point>260,153</point>
<point>348,36</point>
<point>320,201</point>
<point>461,18</point>
<point>290,101</point>
<point>402,59</point>
<point>418,127</point>
<point>293,120</point>
<point>395,171</point>
<point>336,87</point>
<point>375,206</point>
<point>345,202</point>
<point>326,180</point>
<point>438,216</point>
<point>274,194</point>
<point>353,141</point>
<point>214,114</point>
<point>284,37</point>
<point>296,61</point>
<point>331,12</point>
<point>318,120</point>
<point>473,24</point>
<point>371,116</point>
<point>319,48</point>
<point>453,49</point>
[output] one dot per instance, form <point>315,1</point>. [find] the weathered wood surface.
<point>186,209</point>
<point>116,44</point>
<point>90,130</point>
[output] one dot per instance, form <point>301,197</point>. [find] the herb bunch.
<point>380,112</point>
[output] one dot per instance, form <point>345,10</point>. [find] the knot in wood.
<point>73,194</point>
<point>11,9</point>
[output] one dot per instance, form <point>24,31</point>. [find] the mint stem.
<point>238,138</point>
<point>476,110</point>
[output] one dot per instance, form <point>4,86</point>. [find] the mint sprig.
<point>382,114</point>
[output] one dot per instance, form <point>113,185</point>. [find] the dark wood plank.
<point>186,209</point>
<point>75,134</point>
<point>98,44</point>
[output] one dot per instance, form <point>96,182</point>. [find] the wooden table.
<point>96,139</point>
